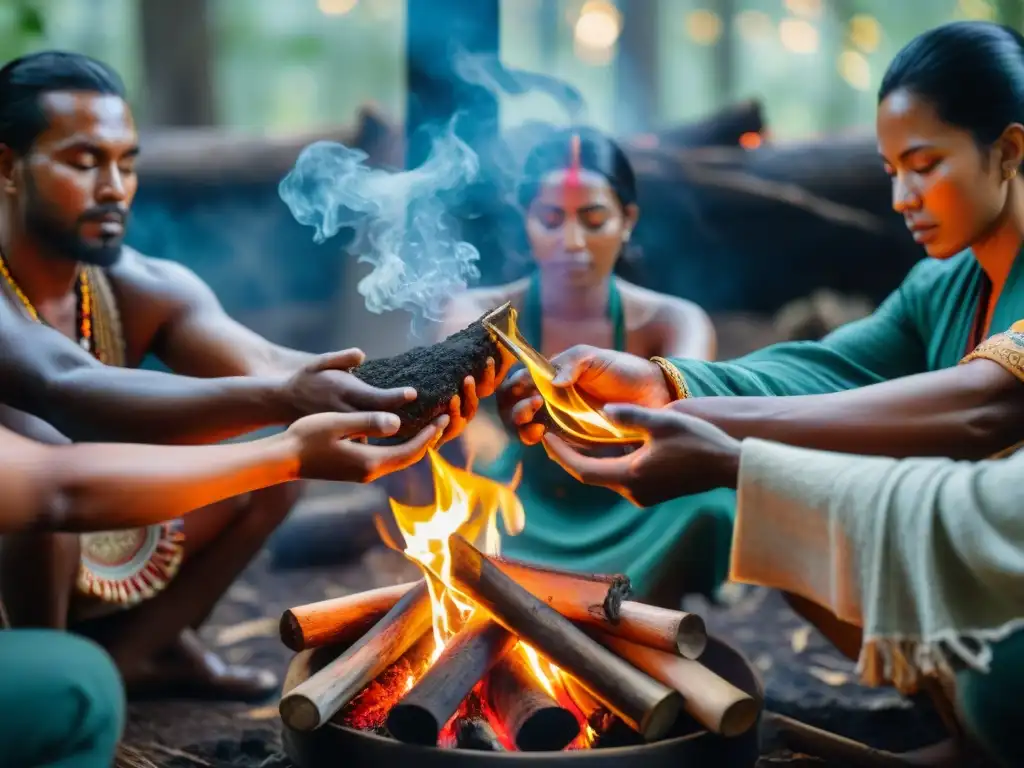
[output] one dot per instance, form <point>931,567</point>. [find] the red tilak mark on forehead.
<point>572,176</point>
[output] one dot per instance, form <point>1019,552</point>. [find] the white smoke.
<point>401,222</point>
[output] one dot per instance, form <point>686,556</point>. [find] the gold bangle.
<point>676,381</point>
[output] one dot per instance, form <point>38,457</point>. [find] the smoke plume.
<point>401,220</point>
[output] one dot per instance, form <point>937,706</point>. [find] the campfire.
<point>486,653</point>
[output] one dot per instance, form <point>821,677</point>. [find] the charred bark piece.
<point>436,372</point>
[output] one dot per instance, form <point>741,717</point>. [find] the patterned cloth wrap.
<point>122,568</point>
<point>1006,349</point>
<point>119,568</point>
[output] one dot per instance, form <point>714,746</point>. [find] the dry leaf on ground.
<point>247,630</point>
<point>798,639</point>
<point>829,676</point>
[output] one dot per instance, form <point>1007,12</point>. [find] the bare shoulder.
<point>151,293</point>
<point>135,272</point>
<point>645,307</point>
<point>669,325</point>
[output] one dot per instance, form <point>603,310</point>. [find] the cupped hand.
<point>328,447</point>
<point>681,455</point>
<point>603,375</point>
<point>463,407</point>
<point>327,385</point>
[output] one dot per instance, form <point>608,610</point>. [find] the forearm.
<point>967,412</point>
<point>102,403</point>
<point>273,361</point>
<point>48,376</point>
<point>94,487</point>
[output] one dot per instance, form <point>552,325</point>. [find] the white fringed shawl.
<point>927,555</point>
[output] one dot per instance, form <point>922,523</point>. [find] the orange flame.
<point>469,505</point>
<point>466,504</point>
<point>569,409</point>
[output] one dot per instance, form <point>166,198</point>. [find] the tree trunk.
<point>177,61</point>
<point>637,67</point>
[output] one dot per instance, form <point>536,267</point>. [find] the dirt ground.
<point>804,677</point>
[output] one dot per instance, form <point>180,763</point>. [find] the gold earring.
<point>1010,173</point>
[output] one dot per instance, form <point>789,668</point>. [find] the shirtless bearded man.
<point>68,146</point>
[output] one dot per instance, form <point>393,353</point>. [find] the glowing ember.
<point>369,710</point>
<point>569,409</point>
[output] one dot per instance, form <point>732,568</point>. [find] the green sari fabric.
<point>587,528</point>
<point>925,325</point>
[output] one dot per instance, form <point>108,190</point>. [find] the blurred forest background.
<point>281,65</point>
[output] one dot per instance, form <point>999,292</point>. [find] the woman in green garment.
<point>579,196</point>
<point>951,134</point>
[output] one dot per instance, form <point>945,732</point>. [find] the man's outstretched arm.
<point>98,487</point>
<point>49,376</point>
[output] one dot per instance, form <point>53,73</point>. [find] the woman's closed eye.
<point>594,218</point>
<point>551,218</point>
<point>924,166</point>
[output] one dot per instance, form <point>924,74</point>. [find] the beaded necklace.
<point>83,292</point>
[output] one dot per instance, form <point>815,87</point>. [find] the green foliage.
<point>30,20</point>
<point>22,27</point>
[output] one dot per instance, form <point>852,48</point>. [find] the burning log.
<point>436,371</point>
<point>647,705</point>
<point>565,589</point>
<point>599,602</point>
<point>421,714</point>
<point>531,717</point>
<point>368,711</point>
<point>312,703</point>
<point>712,701</point>
<point>339,620</point>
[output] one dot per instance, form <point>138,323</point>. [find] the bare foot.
<point>188,670</point>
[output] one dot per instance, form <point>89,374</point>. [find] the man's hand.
<point>681,455</point>
<point>325,385</point>
<point>328,449</point>
<point>604,375</point>
<point>463,407</point>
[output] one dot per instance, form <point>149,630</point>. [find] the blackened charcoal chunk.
<point>436,372</point>
<point>476,733</point>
